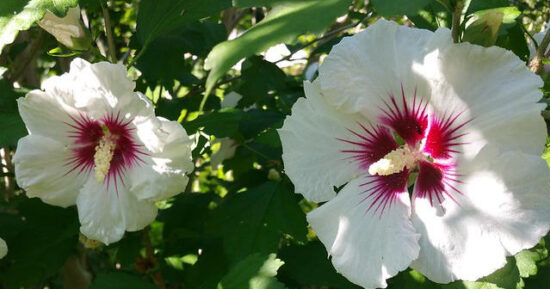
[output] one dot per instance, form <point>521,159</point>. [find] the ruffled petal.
<point>105,212</point>
<point>493,91</point>
<point>502,210</point>
<point>362,70</point>
<point>366,247</point>
<point>164,172</point>
<point>98,89</point>
<point>41,169</point>
<point>312,152</point>
<point>46,114</point>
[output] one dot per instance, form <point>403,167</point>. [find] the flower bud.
<point>68,30</point>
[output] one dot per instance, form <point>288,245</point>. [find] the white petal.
<point>46,114</point>
<point>366,247</point>
<point>40,169</point>
<point>495,91</point>
<point>3,248</point>
<point>312,154</point>
<point>97,89</point>
<point>164,173</point>
<point>503,210</point>
<point>106,213</point>
<point>362,70</point>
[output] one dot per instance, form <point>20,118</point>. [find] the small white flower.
<point>459,121</point>
<point>96,143</point>
<point>67,30</point>
<point>3,248</point>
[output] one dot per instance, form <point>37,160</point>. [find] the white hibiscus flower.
<point>3,248</point>
<point>96,143</point>
<point>396,105</point>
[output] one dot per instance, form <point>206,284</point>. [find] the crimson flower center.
<point>106,146</point>
<point>408,142</point>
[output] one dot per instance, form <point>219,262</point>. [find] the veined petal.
<point>365,246</point>
<point>502,210</point>
<point>493,91</point>
<point>105,212</point>
<point>41,168</point>
<point>46,114</point>
<point>312,152</point>
<point>164,173</point>
<point>362,70</point>
<point>97,89</point>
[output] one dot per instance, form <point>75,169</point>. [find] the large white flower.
<point>96,143</point>
<point>394,105</point>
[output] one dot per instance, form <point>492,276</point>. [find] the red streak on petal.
<point>444,134</point>
<point>435,181</point>
<point>409,122</point>
<point>383,190</point>
<point>372,144</point>
<point>86,134</point>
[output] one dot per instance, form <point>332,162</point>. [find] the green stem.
<point>109,33</point>
<point>457,16</point>
<point>536,63</point>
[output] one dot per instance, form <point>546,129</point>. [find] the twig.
<point>536,63</point>
<point>109,33</point>
<point>152,260</point>
<point>457,16</point>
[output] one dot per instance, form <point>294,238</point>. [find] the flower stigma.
<point>394,162</point>
<point>104,152</point>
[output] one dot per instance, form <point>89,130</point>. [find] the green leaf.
<point>411,279</point>
<point>309,267</point>
<point>120,280</point>
<point>222,123</point>
<point>527,260</point>
<point>257,120</point>
<point>507,277</point>
<point>260,79</point>
<point>283,23</point>
<point>164,58</point>
<point>11,124</point>
<point>432,16</point>
<point>184,223</point>
<point>44,240</point>
<point>255,272</point>
<point>158,17</point>
<point>514,39</point>
<point>255,220</point>
<point>477,5</point>
<point>398,7</point>
<point>18,15</point>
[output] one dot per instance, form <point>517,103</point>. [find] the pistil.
<point>104,152</point>
<point>394,162</point>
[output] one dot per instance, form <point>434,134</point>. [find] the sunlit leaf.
<point>17,15</point>
<point>283,23</point>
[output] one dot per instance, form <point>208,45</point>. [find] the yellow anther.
<point>104,152</point>
<point>394,162</point>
